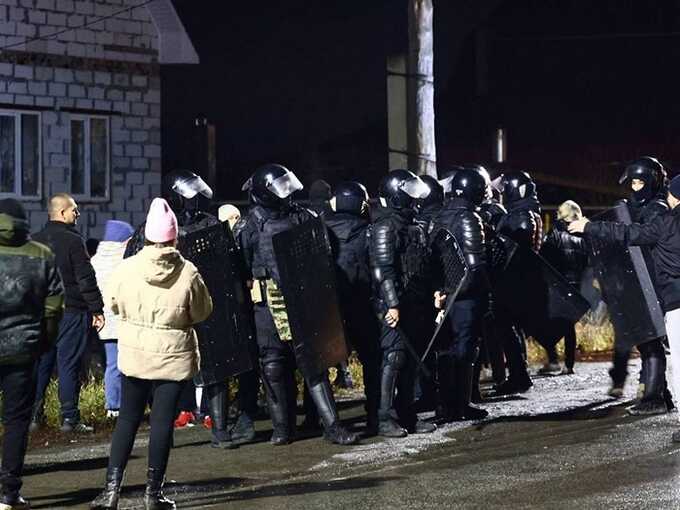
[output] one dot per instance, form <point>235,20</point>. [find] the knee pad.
<point>396,358</point>
<point>274,371</point>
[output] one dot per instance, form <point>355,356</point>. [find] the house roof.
<point>174,44</point>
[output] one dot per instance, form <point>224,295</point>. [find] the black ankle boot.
<point>218,404</point>
<point>153,495</point>
<point>108,499</point>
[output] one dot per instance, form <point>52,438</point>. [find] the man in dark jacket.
<point>31,300</point>
<point>662,235</point>
<point>646,202</point>
<point>83,310</point>
<point>348,226</point>
<point>568,254</point>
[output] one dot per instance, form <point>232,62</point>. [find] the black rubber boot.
<point>518,380</point>
<point>322,396</point>
<point>108,498</point>
<point>153,495</point>
<point>311,421</point>
<point>387,416</point>
<point>476,395</point>
<point>653,400</point>
<point>459,408</point>
<point>244,429</point>
<point>37,416</point>
<point>277,400</point>
<point>218,404</point>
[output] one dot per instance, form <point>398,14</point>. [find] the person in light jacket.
<point>158,297</point>
<point>109,255</point>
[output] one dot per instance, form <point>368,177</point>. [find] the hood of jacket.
<point>160,265</point>
<point>346,226</point>
<point>13,231</point>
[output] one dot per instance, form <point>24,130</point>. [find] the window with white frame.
<point>20,164</point>
<point>90,156</point>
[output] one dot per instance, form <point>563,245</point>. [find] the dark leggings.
<point>134,397</point>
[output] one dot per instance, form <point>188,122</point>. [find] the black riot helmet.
<point>467,183</point>
<point>350,197</point>
<point>181,186</point>
<point>445,177</point>
<point>436,196</point>
<point>516,186</point>
<point>401,188</point>
<point>651,172</point>
<point>272,185</point>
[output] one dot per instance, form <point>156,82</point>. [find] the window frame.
<point>18,155</point>
<point>87,195</point>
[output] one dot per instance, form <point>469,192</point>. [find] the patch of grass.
<point>92,404</point>
<point>592,338</point>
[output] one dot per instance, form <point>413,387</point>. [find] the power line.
<point>83,25</point>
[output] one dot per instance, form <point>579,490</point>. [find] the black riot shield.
<point>539,298</point>
<point>454,270</point>
<point>307,273</point>
<point>223,339</point>
<point>626,286</point>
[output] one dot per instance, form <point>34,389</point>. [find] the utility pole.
<point>422,155</point>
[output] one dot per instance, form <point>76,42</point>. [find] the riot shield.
<point>538,297</point>
<point>307,273</point>
<point>626,286</point>
<point>454,271</point>
<point>224,338</point>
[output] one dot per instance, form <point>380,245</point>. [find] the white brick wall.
<point>131,29</point>
<point>129,92</point>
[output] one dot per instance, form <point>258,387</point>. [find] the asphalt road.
<point>563,445</point>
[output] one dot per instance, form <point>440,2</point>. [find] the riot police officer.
<point>348,226</point>
<point>271,188</point>
<point>523,225</point>
<point>429,207</point>
<point>465,191</point>
<point>185,190</point>
<point>646,177</point>
<point>398,258</point>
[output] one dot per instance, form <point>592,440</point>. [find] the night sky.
<point>580,86</point>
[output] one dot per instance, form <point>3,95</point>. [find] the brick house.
<point>80,103</point>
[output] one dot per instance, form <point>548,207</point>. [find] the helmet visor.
<point>415,188</point>
<point>286,185</point>
<point>189,188</point>
<point>446,184</point>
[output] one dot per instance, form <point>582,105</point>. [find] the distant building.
<point>80,103</point>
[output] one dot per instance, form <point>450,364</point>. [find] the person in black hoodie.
<point>397,247</point>
<point>348,226</point>
<point>568,254</point>
<point>31,301</point>
<point>84,309</point>
<point>662,237</point>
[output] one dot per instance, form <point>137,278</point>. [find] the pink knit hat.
<point>161,222</point>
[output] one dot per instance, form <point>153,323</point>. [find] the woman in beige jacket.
<point>158,296</point>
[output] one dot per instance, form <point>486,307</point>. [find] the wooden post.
<point>422,153</point>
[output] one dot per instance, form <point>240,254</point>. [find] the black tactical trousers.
<point>393,340</point>
<point>466,329</point>
<point>363,331</point>
<point>17,384</point>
